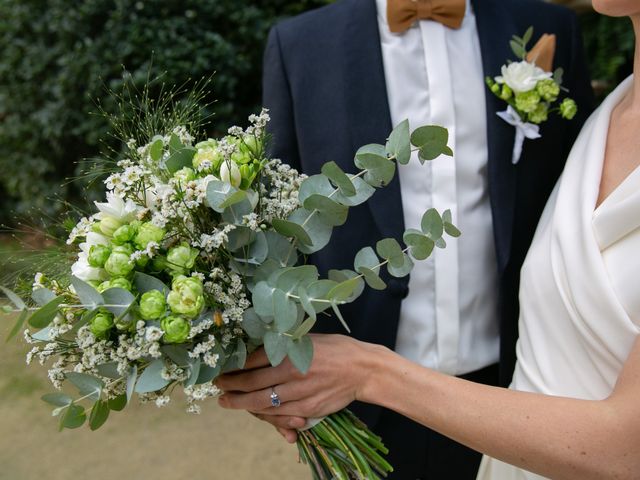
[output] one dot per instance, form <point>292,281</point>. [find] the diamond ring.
<point>275,399</point>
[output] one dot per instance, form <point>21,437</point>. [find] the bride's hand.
<point>338,375</point>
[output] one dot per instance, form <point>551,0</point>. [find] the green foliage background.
<point>59,55</point>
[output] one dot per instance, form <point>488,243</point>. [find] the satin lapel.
<point>368,107</point>
<point>495,28</point>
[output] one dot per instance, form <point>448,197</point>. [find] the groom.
<point>342,76</point>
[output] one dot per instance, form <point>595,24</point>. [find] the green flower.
<point>527,102</point>
<point>152,305</point>
<point>548,89</point>
<point>176,329</point>
<point>186,296</point>
<point>506,93</point>
<point>119,282</point>
<point>109,224</point>
<point>147,233</point>
<point>207,152</point>
<point>119,263</point>
<point>568,108</point>
<point>540,114</point>
<point>248,174</point>
<point>98,255</point>
<point>184,175</point>
<point>181,258</point>
<point>124,234</point>
<point>101,324</point>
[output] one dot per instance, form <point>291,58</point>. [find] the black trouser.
<point>418,453</point>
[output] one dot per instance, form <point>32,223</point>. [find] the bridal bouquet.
<point>196,258</point>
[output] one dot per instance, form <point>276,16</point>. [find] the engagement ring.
<point>275,399</point>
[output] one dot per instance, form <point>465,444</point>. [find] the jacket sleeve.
<point>276,96</point>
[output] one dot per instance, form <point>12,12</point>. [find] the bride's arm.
<point>562,438</point>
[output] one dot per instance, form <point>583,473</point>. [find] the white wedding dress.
<point>579,300</point>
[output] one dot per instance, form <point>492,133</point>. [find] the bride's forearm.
<point>557,437</point>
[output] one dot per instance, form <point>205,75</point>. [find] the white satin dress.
<point>579,292</point>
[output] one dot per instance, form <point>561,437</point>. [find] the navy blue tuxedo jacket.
<point>325,88</point>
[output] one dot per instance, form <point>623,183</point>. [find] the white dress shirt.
<point>434,76</point>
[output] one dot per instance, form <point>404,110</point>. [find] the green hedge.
<point>57,57</point>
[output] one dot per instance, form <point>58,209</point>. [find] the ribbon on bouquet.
<point>523,130</point>
<point>311,422</point>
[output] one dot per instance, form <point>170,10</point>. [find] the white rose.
<point>522,76</point>
<point>229,172</point>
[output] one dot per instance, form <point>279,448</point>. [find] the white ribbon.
<point>523,130</point>
<point>311,422</point>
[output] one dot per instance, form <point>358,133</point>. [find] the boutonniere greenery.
<point>530,91</point>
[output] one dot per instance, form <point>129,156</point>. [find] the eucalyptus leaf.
<point>180,158</point>
<point>45,314</point>
<point>88,295</point>
<point>432,225</point>
<point>366,257</point>
<point>304,328</point>
<point>118,300</point>
<point>440,243</point>
<point>239,237</point>
<point>15,299</point>
<point>372,278</point>
<point>258,249</point>
<point>253,324</point>
<point>284,311</point>
<point>294,277</point>
<point>42,296</point>
<point>118,403</point>
<point>318,291</point>
<point>306,304</point>
<point>109,370</point>
<point>527,36</point>
<point>399,144</point>
<point>329,211</point>
<point>43,335</point>
<point>338,314</point>
<point>194,372</point>
<point>99,414</point>
<point>262,299</point>
<point>74,417</point>
<point>431,141</point>
<point>87,385</point>
<point>145,283</point>
<point>217,192</point>
<point>150,379</point>
<point>373,158</point>
<point>276,346</point>
<point>316,185</point>
<point>235,213</point>
<point>156,149</point>
<point>390,249</point>
<point>344,275</point>
<point>57,399</point>
<point>420,245</point>
<point>178,354</point>
<point>236,197</point>
<point>175,143</point>
<point>291,229</point>
<point>280,249</point>
<point>339,178</point>
<point>344,290</point>
<point>132,378</point>
<point>402,270</point>
<point>318,231</point>
<point>300,352</point>
<point>208,373</point>
<point>364,191</point>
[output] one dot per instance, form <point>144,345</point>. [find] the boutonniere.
<point>530,89</point>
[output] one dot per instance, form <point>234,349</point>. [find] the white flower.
<point>229,172</point>
<point>522,76</point>
<point>117,208</point>
<point>82,270</point>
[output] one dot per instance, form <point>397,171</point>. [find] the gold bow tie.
<point>401,14</point>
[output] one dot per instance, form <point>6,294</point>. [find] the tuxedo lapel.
<point>367,105</point>
<point>495,28</point>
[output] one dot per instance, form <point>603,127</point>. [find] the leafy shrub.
<point>59,55</point>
